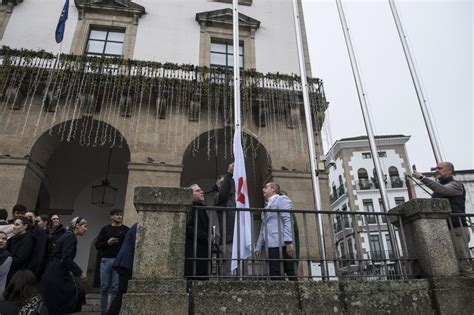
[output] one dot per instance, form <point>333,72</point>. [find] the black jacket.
<point>53,238</point>
<point>38,259</point>
<point>202,241</point>
<point>21,250</point>
<point>225,198</point>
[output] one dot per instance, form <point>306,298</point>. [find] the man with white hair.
<point>276,232</point>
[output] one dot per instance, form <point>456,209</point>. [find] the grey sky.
<point>440,34</point>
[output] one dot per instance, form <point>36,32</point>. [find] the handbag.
<point>79,297</point>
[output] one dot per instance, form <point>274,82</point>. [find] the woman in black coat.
<point>61,291</point>
<point>20,246</point>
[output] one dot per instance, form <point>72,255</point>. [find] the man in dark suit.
<point>200,236</point>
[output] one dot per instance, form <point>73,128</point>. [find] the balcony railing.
<point>340,191</point>
<point>368,184</point>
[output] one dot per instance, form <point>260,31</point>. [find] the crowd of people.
<point>38,274</point>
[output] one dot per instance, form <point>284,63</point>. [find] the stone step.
<point>91,308</point>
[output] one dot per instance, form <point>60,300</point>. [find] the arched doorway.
<point>71,168</point>
<point>209,155</point>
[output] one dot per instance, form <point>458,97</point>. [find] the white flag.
<point>241,201</point>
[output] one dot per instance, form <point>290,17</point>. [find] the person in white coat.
<point>276,232</point>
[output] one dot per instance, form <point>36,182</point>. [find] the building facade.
<point>140,94</point>
<point>354,187</point>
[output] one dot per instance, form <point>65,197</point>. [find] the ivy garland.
<point>154,73</point>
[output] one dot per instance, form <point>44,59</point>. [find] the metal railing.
<point>358,251</point>
<point>390,183</point>
<point>341,191</point>
<point>461,227</point>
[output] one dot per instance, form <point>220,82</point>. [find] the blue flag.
<point>59,34</point>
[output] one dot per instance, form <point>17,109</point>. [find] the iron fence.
<point>461,227</point>
<point>357,249</point>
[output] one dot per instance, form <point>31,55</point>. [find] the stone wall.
<point>308,297</point>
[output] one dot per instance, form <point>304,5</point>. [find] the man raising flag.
<point>59,34</point>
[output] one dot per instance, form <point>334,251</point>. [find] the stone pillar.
<point>148,174</point>
<point>21,180</point>
<point>158,284</point>
<point>427,236</point>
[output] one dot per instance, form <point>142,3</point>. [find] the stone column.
<point>148,174</point>
<point>21,180</point>
<point>427,236</point>
<point>158,284</point>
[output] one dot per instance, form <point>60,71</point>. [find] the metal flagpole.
<point>309,131</point>
<point>416,82</point>
<point>367,121</point>
<point>235,34</point>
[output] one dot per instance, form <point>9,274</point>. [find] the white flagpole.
<point>310,137</point>
<point>367,121</point>
<point>235,37</point>
<point>235,33</point>
<point>416,82</point>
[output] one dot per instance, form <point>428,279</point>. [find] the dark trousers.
<point>124,276</point>
<point>276,270</point>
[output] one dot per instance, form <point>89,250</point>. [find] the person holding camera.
<point>108,243</point>
<point>452,190</point>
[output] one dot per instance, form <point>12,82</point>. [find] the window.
<point>399,200</point>
<point>362,174</point>
<point>382,154</point>
<point>369,207</point>
<point>376,247</point>
<point>366,155</point>
<point>391,255</point>
<point>222,54</point>
<point>105,42</point>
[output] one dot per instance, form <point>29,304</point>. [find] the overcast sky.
<point>440,35</point>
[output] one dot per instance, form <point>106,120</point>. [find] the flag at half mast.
<point>59,34</point>
<point>242,242</point>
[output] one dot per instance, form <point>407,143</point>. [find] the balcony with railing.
<point>337,193</point>
<point>371,184</point>
<point>89,85</point>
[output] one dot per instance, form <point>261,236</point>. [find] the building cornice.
<point>364,143</point>
<point>114,7</point>
<point>224,18</point>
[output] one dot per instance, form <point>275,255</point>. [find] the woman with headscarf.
<point>5,262</point>
<point>20,246</point>
<point>22,297</point>
<point>59,287</point>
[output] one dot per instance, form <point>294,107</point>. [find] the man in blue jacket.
<point>276,232</point>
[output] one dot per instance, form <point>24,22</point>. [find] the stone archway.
<point>66,172</point>
<point>209,155</point>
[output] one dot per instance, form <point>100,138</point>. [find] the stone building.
<point>354,187</point>
<point>79,132</point>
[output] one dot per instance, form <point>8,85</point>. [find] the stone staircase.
<point>92,306</point>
